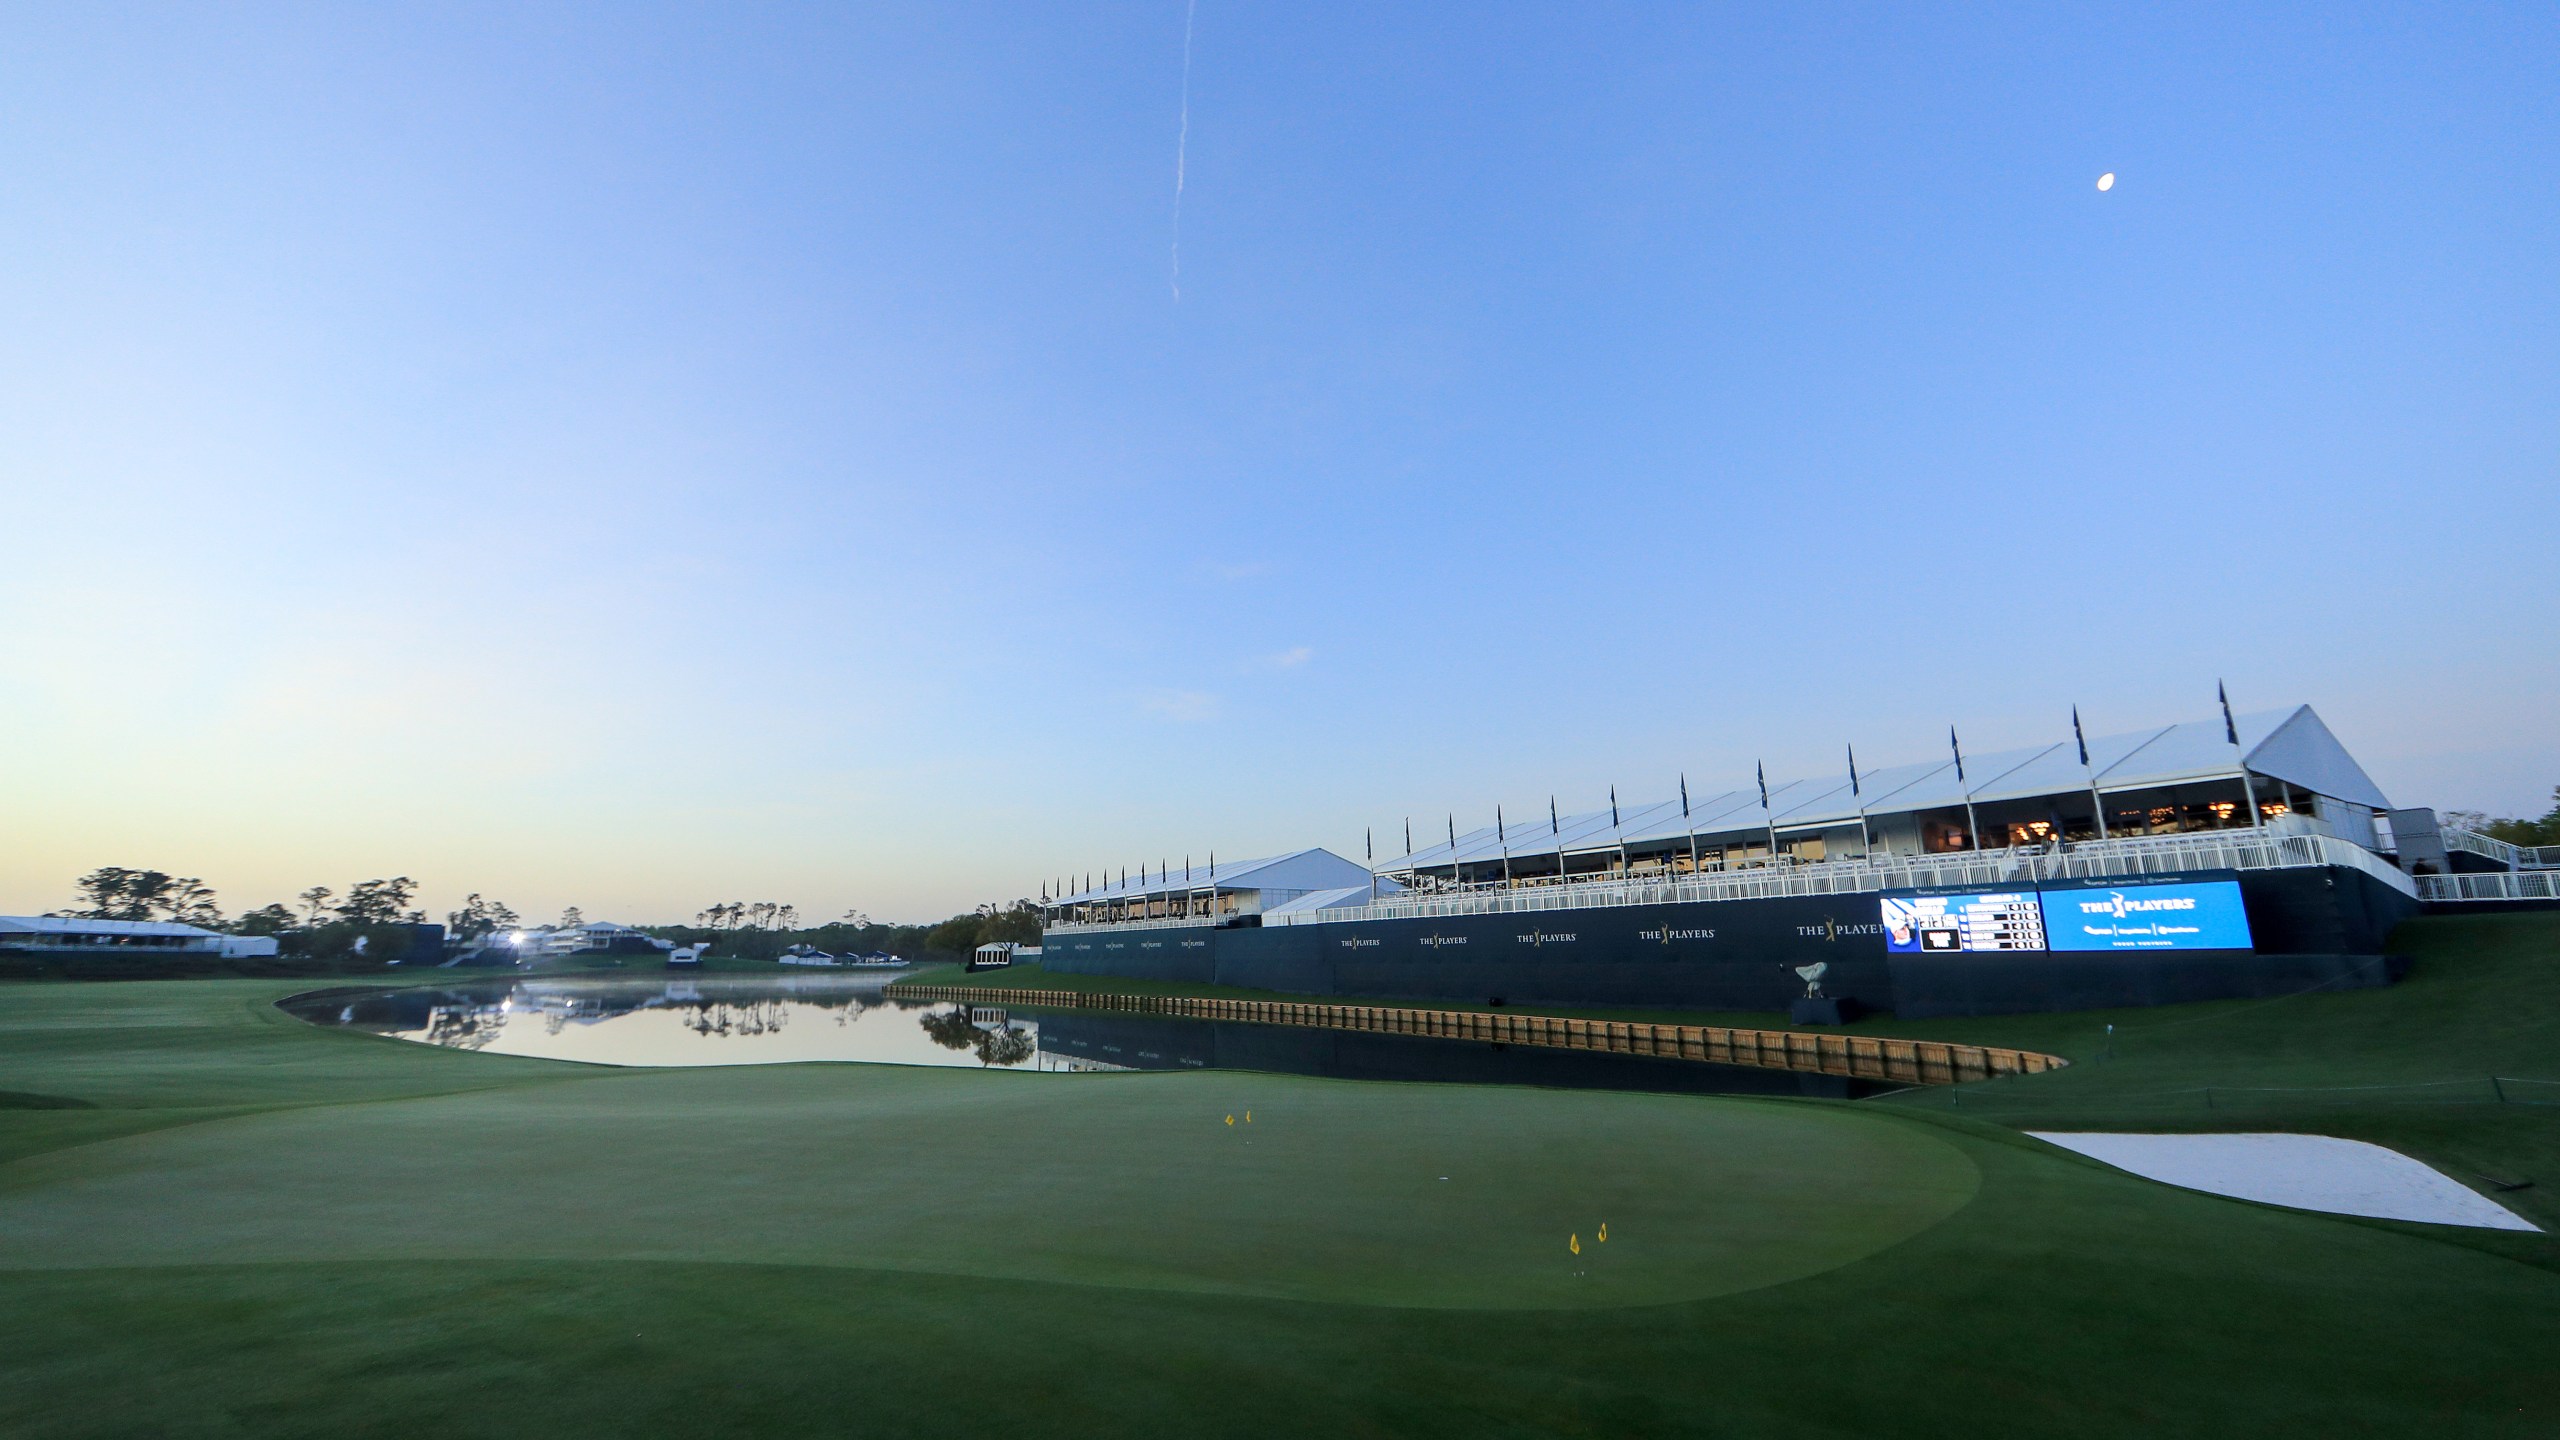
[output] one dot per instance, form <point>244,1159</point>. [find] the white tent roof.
<point>2290,744</point>
<point>1340,895</point>
<point>1312,869</point>
<point>62,925</point>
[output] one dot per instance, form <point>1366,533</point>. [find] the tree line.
<point>2545,831</point>
<point>370,919</point>
<point>764,929</point>
<point>118,892</point>
<point>372,916</point>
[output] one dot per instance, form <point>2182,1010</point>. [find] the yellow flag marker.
<point>1231,1119</point>
<point>1573,1243</point>
<point>1248,1117</point>
<point>1604,1232</point>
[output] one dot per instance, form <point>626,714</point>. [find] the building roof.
<point>1311,869</point>
<point>1339,895</point>
<point>66,925</point>
<point>2288,744</point>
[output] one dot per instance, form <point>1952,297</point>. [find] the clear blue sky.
<point>640,456</point>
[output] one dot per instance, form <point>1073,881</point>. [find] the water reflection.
<point>687,1022</point>
<point>989,1035</point>
<point>756,1021</point>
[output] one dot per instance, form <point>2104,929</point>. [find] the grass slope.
<point>2406,1066</point>
<point>1068,1252</point>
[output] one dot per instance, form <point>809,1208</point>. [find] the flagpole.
<point>2082,740</point>
<point>1972,825</point>
<point>1455,876</point>
<point>2231,732</point>
<point>1369,847</point>
<point>1564,877</point>
<point>1687,823</point>
<point>1866,842</point>
<point>1502,837</point>
<point>1618,830</point>
<point>1768,816</point>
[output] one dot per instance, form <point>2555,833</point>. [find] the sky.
<point>641,456</point>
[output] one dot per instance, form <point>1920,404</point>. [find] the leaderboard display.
<point>1962,922</point>
<point>2182,912</point>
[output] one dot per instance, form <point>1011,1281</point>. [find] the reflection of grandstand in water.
<point>1075,1064</point>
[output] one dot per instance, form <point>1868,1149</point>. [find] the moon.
<point>2107,181</point>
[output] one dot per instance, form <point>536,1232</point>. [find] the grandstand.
<point>2234,855</point>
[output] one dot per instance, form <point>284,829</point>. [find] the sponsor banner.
<point>2197,911</point>
<point>2184,914</point>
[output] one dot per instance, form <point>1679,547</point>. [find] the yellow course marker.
<point>1248,1117</point>
<point>1573,1243</point>
<point>1231,1119</point>
<point>1604,1232</point>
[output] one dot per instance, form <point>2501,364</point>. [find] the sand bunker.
<point>2307,1172</point>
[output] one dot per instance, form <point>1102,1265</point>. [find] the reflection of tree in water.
<point>950,1029</point>
<point>754,1017</point>
<point>758,1016</point>
<point>1005,1045</point>
<point>464,1027</point>
<point>1001,1044</point>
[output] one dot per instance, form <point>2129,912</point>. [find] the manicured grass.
<point>378,1238</point>
<point>2408,1066</point>
<point>1400,1195</point>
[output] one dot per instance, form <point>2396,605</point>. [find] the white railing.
<point>2514,857</point>
<point>2148,855</point>
<point>1161,922</point>
<point>2495,885</point>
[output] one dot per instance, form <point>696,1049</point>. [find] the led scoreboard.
<point>2202,910</point>
<point>1951,922</point>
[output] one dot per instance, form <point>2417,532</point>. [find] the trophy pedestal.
<point>1822,1012</point>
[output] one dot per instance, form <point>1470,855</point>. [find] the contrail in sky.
<point>1182,143</point>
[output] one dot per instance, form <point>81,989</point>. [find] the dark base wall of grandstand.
<point>1147,1043</point>
<point>2311,927</point>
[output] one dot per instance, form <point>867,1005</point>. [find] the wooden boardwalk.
<point>1866,1057</point>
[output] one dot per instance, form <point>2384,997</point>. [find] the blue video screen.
<point>2180,915</point>
<point>1961,922</point>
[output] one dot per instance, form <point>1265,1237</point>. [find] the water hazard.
<point>764,1021</point>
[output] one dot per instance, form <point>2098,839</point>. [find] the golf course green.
<point>216,1220</point>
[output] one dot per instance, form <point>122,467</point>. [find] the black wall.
<point>1144,1043</point>
<point>2311,926</point>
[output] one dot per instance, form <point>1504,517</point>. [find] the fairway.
<point>1427,1195</point>
<point>220,1221</point>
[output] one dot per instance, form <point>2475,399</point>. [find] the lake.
<point>755,1020</point>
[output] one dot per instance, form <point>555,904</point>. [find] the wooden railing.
<point>1867,1057</point>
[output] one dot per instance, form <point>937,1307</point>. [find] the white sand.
<point>2307,1172</point>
